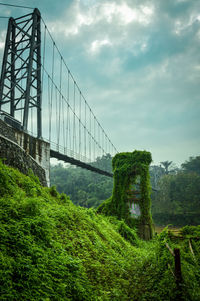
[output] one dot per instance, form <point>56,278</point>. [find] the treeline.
<point>176,201</point>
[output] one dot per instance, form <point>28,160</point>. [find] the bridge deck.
<point>65,158</point>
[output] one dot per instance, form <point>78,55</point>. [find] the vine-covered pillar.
<point>131,200</point>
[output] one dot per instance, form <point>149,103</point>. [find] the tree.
<point>178,199</point>
<point>166,165</point>
<point>104,162</point>
<point>156,172</point>
<point>192,165</point>
<point>169,167</point>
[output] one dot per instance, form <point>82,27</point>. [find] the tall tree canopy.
<point>178,198</point>
<point>192,165</point>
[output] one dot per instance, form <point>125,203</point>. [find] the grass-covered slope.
<point>52,250</point>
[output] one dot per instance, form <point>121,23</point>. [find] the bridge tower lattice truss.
<point>20,83</point>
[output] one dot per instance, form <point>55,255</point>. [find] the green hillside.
<point>51,249</point>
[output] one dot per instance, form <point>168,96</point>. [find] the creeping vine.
<point>127,167</point>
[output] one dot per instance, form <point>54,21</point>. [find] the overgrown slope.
<point>52,250</point>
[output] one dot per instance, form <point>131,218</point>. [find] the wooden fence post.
<point>177,271</point>
<point>177,259</point>
<point>178,275</point>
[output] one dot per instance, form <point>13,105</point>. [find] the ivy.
<point>127,167</point>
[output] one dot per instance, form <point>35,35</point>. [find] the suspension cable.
<point>60,88</point>
<point>44,50</point>
<point>13,5</point>
<point>73,78</point>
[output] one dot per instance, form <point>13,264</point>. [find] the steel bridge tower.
<point>20,83</point>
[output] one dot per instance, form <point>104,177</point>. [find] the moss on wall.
<point>127,167</point>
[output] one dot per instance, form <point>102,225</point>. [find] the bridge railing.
<point>68,152</point>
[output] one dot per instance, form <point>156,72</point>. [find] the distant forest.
<point>176,201</point>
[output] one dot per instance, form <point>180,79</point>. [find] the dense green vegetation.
<point>177,201</point>
<point>51,249</point>
<point>178,198</point>
<point>128,167</point>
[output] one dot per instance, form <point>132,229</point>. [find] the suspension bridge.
<point>40,96</point>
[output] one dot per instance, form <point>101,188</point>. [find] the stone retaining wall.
<point>7,131</point>
<point>25,152</point>
<point>16,157</point>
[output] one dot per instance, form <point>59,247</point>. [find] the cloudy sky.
<point>138,64</point>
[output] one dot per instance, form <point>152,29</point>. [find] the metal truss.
<point>20,83</point>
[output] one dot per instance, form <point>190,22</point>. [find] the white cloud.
<point>124,14</point>
<point>2,39</point>
<point>110,13</point>
<point>98,44</point>
<point>181,25</point>
<point>2,45</point>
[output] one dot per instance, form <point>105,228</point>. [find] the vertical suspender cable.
<point>68,124</point>
<point>106,143</point>
<point>52,76</point>
<point>79,124</point>
<point>60,87</point>
<point>85,132</point>
<point>49,106</point>
<point>94,138</point>
<point>43,59</point>
<point>99,139</point>
<point>102,142</point>
<point>67,129</point>
<point>74,104</point>
<point>56,98</point>
<point>90,138</point>
<point>63,126</point>
<point>43,64</point>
